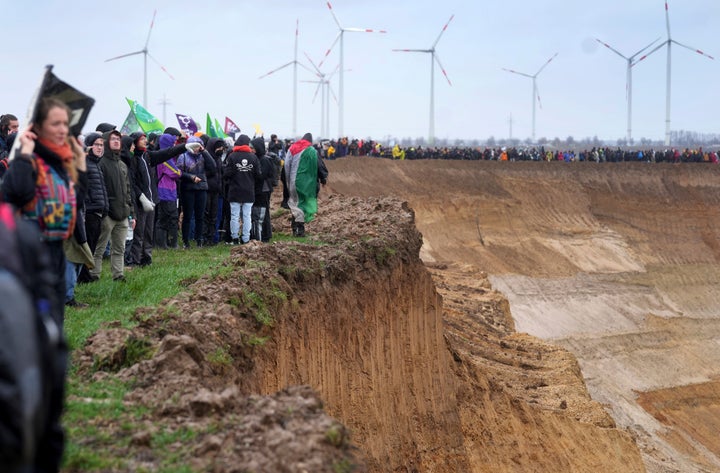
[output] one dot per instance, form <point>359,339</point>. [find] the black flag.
<point>79,103</point>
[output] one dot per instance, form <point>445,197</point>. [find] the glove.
<point>193,147</point>
<point>147,204</point>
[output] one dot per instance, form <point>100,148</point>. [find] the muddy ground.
<point>449,316</point>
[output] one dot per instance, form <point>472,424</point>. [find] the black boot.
<point>300,229</point>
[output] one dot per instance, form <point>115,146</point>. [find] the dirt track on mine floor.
<point>617,263</point>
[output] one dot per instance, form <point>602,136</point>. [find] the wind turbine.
<point>144,51</point>
<point>668,42</point>
<point>433,59</point>
<point>326,89</point>
<point>295,64</point>
<point>535,89</point>
<point>628,81</point>
<point>341,87</point>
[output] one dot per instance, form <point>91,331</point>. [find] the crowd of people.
<point>68,202</point>
<point>333,149</point>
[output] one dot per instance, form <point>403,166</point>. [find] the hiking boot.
<point>299,230</point>
<point>120,278</point>
<point>74,303</point>
<point>235,241</point>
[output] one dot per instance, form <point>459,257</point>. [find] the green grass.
<point>171,272</point>
<point>91,405</point>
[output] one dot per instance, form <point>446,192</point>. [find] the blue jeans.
<point>71,274</point>
<point>235,208</point>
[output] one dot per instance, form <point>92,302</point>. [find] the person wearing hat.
<point>96,198</point>
<point>140,253</point>
<point>194,165</point>
<point>242,169</point>
<point>263,189</point>
<point>301,174</point>
<point>119,217</point>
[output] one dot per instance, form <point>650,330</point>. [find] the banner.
<point>147,122</point>
<point>230,127</point>
<point>258,129</point>
<point>52,87</point>
<point>187,124</point>
<point>219,130</point>
<point>130,125</point>
<point>211,131</point>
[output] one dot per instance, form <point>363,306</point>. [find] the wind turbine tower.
<point>144,51</point>
<point>433,59</point>
<point>628,81</point>
<point>668,42</point>
<point>295,63</point>
<point>535,93</point>
<point>341,86</point>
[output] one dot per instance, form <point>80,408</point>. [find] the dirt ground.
<point>448,317</point>
<point>617,263</point>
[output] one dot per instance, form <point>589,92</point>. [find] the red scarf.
<point>299,146</point>
<point>245,148</point>
<point>65,153</point>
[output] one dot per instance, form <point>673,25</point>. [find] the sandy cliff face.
<point>617,263</point>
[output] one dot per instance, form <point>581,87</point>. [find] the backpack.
<point>27,334</point>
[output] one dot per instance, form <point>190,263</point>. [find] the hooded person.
<point>140,253</point>
<point>193,189</point>
<point>115,224</point>
<point>301,174</point>
<point>241,170</point>
<point>214,148</point>
<point>263,189</point>
<point>96,197</point>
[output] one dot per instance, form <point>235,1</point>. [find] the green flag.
<point>130,125</point>
<point>147,122</point>
<point>219,130</point>
<point>211,131</point>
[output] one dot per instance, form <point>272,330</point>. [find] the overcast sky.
<point>217,49</point>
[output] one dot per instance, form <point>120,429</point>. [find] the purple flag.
<point>187,124</point>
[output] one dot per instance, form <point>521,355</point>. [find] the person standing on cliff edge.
<point>301,172</point>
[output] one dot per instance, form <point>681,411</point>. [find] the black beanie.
<point>242,140</point>
<point>92,138</point>
<point>172,131</point>
<point>105,127</point>
<point>307,137</point>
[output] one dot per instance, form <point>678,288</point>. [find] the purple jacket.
<point>168,175</point>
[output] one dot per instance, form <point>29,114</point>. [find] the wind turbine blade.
<point>320,83</point>
<point>333,93</point>
<point>337,68</point>
<point>538,96</point>
<point>545,65</point>
<point>124,55</point>
<point>333,14</point>
<point>277,69</point>
<point>412,50</point>
<point>327,53</point>
<point>664,43</point>
<point>437,60</point>
<point>363,30</point>
<point>516,72</point>
<point>307,69</point>
<point>152,23</point>
<point>693,49</point>
<point>611,49</point>
<point>667,19</point>
<point>161,66</point>
<point>442,31</point>
<point>643,49</point>
<point>320,74</point>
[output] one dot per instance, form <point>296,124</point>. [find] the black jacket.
<point>96,198</point>
<point>118,186</point>
<point>214,177</point>
<point>241,170</point>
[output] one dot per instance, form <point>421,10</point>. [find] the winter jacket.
<point>241,170</point>
<point>117,183</point>
<point>96,198</point>
<point>214,175</point>
<point>168,174</point>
